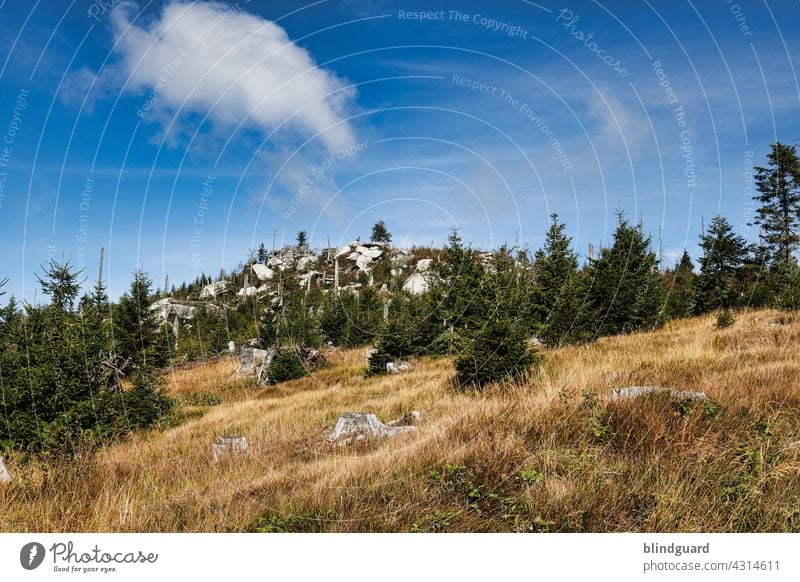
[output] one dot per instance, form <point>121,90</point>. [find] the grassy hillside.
<point>554,454</point>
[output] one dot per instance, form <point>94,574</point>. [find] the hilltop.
<point>551,453</point>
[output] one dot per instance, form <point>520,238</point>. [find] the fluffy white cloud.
<point>215,59</point>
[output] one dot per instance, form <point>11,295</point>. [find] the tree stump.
<point>228,446</point>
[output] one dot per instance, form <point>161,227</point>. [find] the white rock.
<point>397,367</point>
<point>372,253</point>
<point>417,284</point>
<point>161,303</point>
<point>304,263</point>
<point>353,256</point>
<point>161,308</point>
<point>167,307</point>
<point>228,445</point>
<point>310,275</point>
<point>5,477</point>
<point>363,263</point>
<point>358,426</point>
<point>247,291</point>
<point>345,250</point>
<point>232,347</point>
<point>424,264</point>
<point>211,290</point>
<point>263,272</point>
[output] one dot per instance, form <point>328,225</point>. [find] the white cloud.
<point>617,124</point>
<point>210,58</point>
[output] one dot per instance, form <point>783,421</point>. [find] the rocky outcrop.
<point>247,292</point>
<point>371,252</point>
<point>304,263</point>
<point>262,272</point>
<point>213,290</point>
<point>417,284</point>
<point>360,257</point>
<point>424,264</point>
<point>169,311</point>
<point>167,308</point>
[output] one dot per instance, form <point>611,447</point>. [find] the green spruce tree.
<point>562,312</point>
<point>459,283</point>
<point>778,215</point>
<point>136,330</point>
<point>380,234</point>
<point>499,348</point>
<point>626,290</point>
<point>680,283</point>
<point>720,283</point>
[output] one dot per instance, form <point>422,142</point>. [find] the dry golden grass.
<point>554,454</point>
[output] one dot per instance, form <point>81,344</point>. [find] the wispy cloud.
<point>215,60</point>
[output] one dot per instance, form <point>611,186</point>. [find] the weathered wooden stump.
<point>228,446</point>
<point>358,426</point>
<point>634,391</point>
<point>250,359</point>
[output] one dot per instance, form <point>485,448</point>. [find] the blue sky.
<point>180,135</point>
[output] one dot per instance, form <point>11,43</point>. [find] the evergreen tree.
<point>364,317</point>
<point>58,388</point>
<point>413,330</point>
<point>459,284</point>
<point>290,322</point>
<point>136,332</point>
<point>626,289</point>
<point>562,313</point>
<point>287,364</point>
<point>302,240</point>
<point>497,348</point>
<point>61,283</point>
<point>380,234</point>
<point>778,215</point>
<point>680,283</point>
<point>261,257</point>
<point>333,317</point>
<point>720,282</point>
<point>788,296</point>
